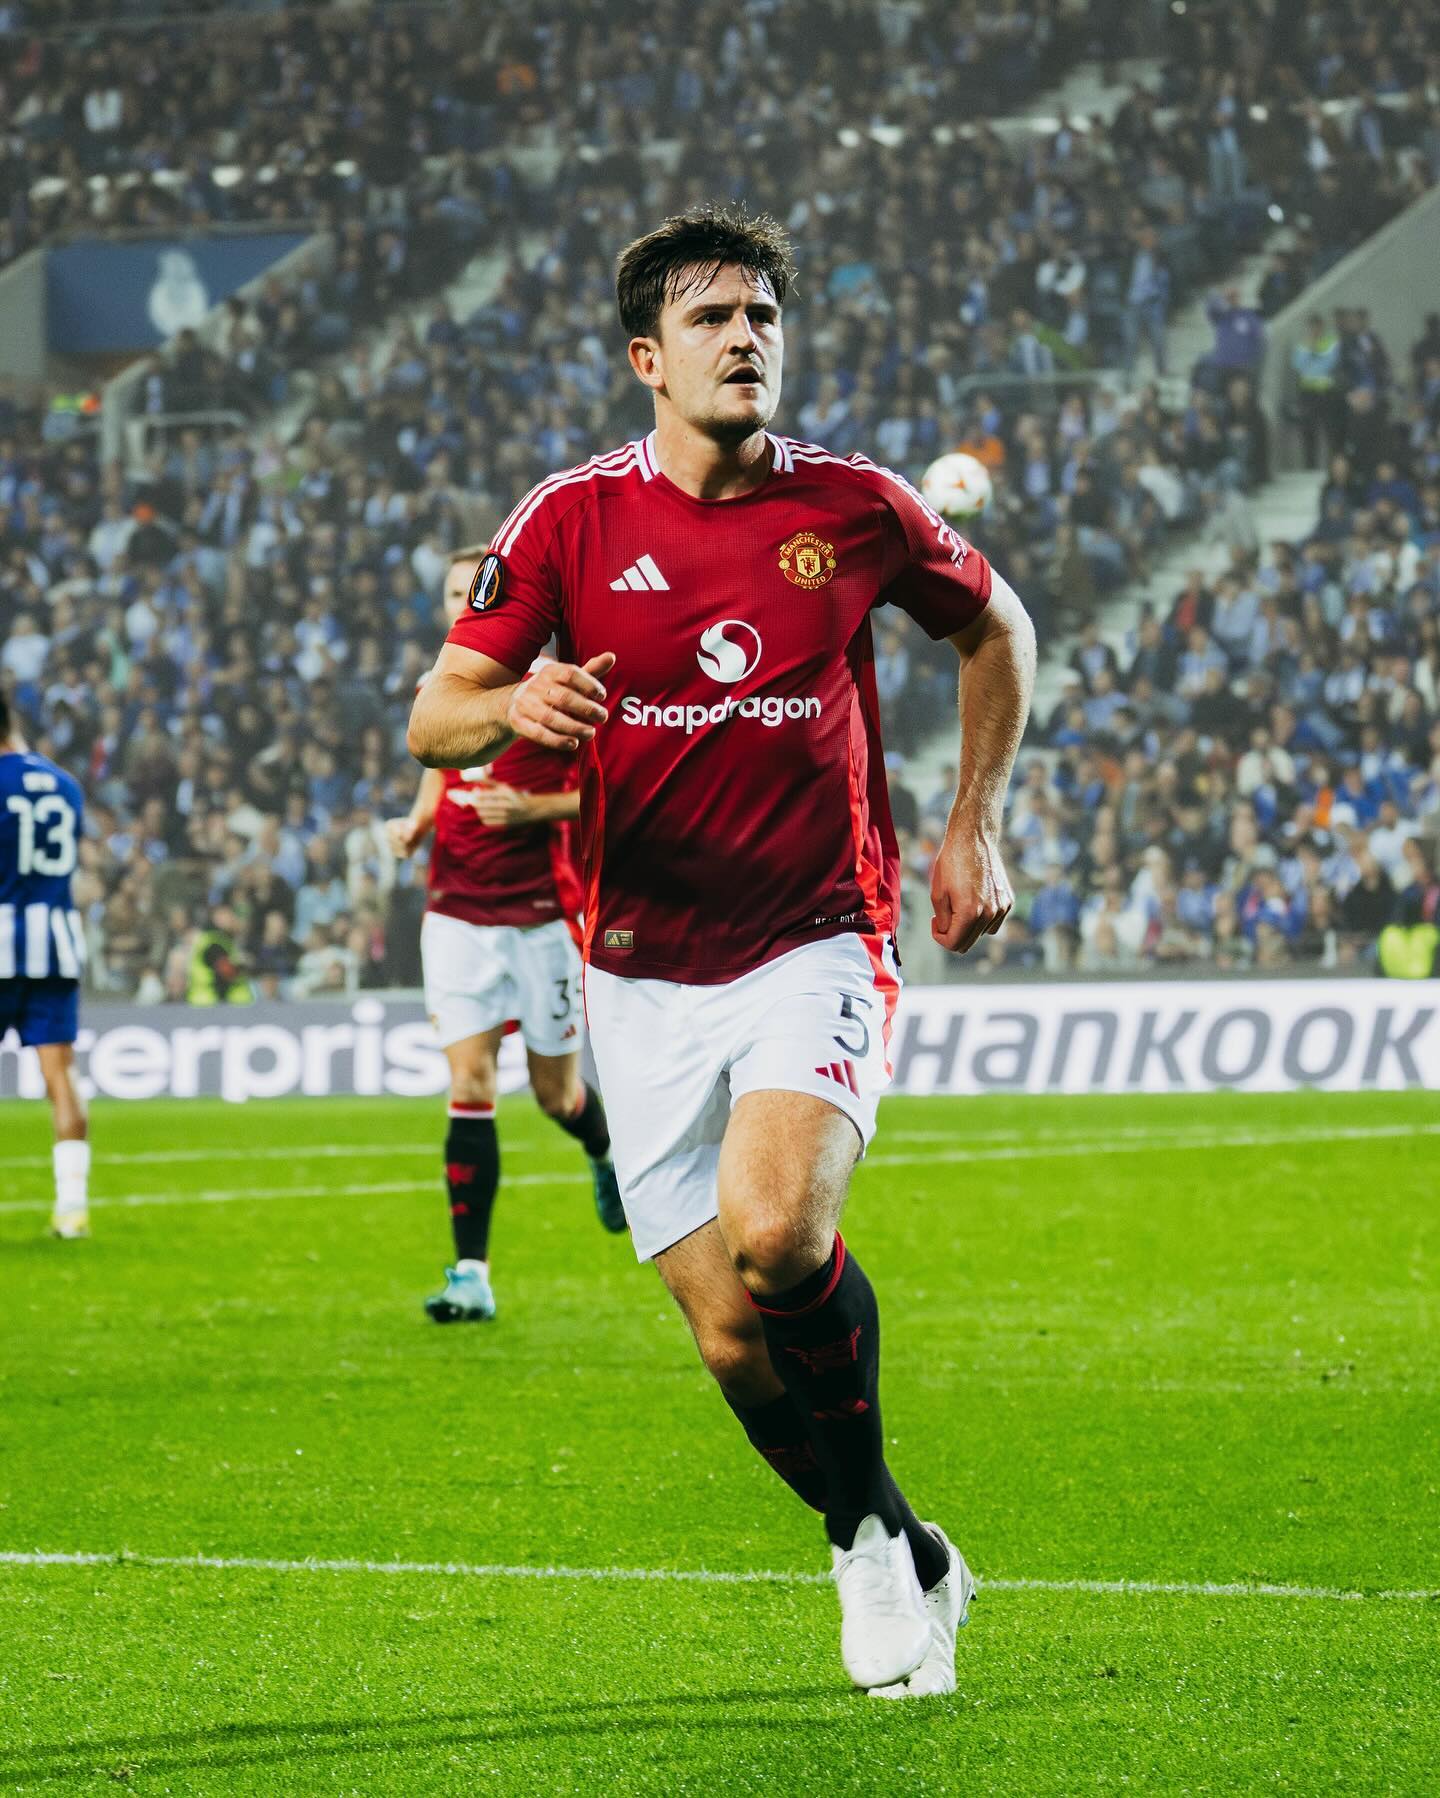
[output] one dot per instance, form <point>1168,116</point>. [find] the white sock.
<point>72,1176</point>
<point>470,1266</point>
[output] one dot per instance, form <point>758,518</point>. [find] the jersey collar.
<point>782,460</point>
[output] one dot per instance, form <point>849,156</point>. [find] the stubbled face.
<point>717,355</point>
<point>456,595</point>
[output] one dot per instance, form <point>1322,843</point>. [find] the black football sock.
<point>824,1341</point>
<point>778,1433</point>
<point>472,1173</point>
<point>588,1126</point>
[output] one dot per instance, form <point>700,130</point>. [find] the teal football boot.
<point>467,1298</point>
<point>608,1207</point>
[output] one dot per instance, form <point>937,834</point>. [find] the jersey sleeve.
<point>514,607</point>
<point>931,572</point>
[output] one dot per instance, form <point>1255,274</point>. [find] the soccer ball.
<point>958,486</point>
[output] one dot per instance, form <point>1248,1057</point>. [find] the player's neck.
<point>15,745</point>
<point>704,469</point>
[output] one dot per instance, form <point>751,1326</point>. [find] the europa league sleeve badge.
<point>488,584</point>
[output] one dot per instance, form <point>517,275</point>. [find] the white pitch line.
<point>1252,1139</point>
<point>996,1142</point>
<point>238,1195</point>
<point>1178,1134</point>
<point>304,1152</point>
<point>1031,1151</point>
<point>704,1576</point>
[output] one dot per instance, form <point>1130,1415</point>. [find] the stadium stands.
<point>225,639</point>
<point>1254,777</point>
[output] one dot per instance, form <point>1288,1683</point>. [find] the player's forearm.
<point>427,803</point>
<point>997,678</point>
<point>554,808</point>
<point>456,724</point>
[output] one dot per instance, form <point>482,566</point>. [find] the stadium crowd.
<point>224,641</point>
<point>1252,777</point>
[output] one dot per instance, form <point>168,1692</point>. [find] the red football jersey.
<point>734,806</point>
<point>522,876</point>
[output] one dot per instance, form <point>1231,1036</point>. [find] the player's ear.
<point>647,359</point>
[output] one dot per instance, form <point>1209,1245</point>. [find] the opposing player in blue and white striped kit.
<point>42,949</point>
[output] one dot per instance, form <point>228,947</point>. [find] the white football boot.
<point>948,1607</point>
<point>885,1627</point>
<point>70,1224</point>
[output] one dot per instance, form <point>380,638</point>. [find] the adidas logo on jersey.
<point>641,577</point>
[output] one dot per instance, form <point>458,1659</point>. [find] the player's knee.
<point>772,1249</point>
<point>557,1099</point>
<point>738,1362</point>
<point>472,1086</point>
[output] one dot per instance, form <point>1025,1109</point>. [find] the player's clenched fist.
<point>403,836</point>
<point>503,808</point>
<point>561,704</point>
<point>969,888</point>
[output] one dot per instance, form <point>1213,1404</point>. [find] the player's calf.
<point>70,1217</point>
<point>823,1335</point>
<point>472,1177</point>
<point>735,1355</point>
<point>579,1111</point>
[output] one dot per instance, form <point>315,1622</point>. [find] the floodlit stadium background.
<point>293,300</point>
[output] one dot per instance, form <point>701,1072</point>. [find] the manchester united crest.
<point>807,560</point>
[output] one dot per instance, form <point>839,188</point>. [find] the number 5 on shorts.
<point>848,1002</point>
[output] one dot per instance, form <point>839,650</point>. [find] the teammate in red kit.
<point>497,945</point>
<point>711,588</point>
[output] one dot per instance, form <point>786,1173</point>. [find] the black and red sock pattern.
<point>472,1175</point>
<point>780,1435</point>
<point>589,1125</point>
<point>824,1341</point>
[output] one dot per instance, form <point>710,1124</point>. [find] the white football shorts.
<point>478,976</point>
<point>673,1060</point>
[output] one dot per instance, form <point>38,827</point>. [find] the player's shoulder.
<point>534,519</point>
<point>27,771</point>
<point>855,473</point>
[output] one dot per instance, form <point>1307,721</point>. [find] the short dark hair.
<point>704,240</point>
<point>4,718</point>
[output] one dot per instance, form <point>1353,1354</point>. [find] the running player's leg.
<point>472,1149</point>
<point>71,1216</point>
<point>661,1051</point>
<point>564,1095</point>
<point>469,996</point>
<point>726,1327</point>
<point>472,1178</point>
<point>784,1171</point>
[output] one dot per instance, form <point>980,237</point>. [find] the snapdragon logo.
<point>726,659</point>
<point>728,652</point>
<point>769,708</point>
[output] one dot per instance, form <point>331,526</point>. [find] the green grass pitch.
<point>1187,1343</point>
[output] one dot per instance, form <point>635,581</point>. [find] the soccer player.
<point>496,945</point>
<point>42,950</point>
<point>711,587</point>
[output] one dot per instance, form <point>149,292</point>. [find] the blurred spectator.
<point>226,636</point>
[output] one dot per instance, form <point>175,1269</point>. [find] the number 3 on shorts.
<point>848,1002</point>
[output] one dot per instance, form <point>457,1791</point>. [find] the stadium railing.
<point>1391,274</point>
<point>142,429</point>
<point>122,397</point>
<point>22,317</point>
